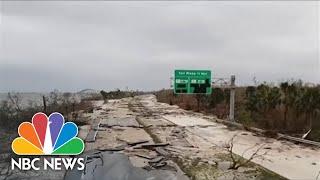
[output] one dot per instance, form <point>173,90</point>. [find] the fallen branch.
<point>240,161</point>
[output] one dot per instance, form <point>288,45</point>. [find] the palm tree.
<point>263,99</point>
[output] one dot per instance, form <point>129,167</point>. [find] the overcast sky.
<point>106,45</point>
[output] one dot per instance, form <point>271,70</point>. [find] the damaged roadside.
<point>117,147</point>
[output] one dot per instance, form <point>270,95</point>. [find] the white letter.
<point>50,163</point>
<point>57,164</point>
<point>32,164</point>
<point>69,162</point>
<point>14,163</point>
<point>26,164</point>
<point>81,163</point>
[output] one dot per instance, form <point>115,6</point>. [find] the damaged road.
<point>142,138</point>
<point>115,166</point>
<point>202,137</point>
<point>118,147</point>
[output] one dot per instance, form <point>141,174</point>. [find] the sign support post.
<point>232,98</point>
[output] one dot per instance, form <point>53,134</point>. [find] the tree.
<point>54,98</point>
<point>216,97</point>
<point>15,99</point>
<point>285,101</point>
<point>200,97</point>
<point>66,101</point>
<point>291,98</point>
<point>104,95</point>
<point>273,98</point>
<point>262,99</point>
<point>251,96</point>
<point>310,100</point>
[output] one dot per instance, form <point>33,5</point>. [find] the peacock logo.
<point>47,136</point>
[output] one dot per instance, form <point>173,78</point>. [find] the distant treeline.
<point>12,113</point>
<point>290,107</point>
<point>118,94</point>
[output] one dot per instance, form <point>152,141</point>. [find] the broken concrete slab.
<point>122,122</point>
<point>117,148</point>
<point>138,142</point>
<point>115,166</point>
<point>162,151</point>
<point>156,159</point>
<point>143,153</point>
<point>133,136</point>
<point>151,145</point>
<point>158,164</point>
<point>91,137</point>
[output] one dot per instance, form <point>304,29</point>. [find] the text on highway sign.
<point>192,82</point>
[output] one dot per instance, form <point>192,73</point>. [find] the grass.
<point>267,175</point>
<point>262,173</point>
<point>196,170</point>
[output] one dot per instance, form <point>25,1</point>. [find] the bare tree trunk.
<point>198,102</point>
<point>73,107</point>
<point>44,104</point>
<point>15,100</point>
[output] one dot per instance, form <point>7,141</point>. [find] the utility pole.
<point>232,97</point>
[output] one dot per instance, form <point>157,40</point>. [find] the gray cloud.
<point>107,45</point>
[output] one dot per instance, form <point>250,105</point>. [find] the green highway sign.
<point>192,82</point>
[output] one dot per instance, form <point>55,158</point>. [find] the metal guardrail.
<point>300,140</point>
<point>261,131</point>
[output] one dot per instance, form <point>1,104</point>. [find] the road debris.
<point>115,166</point>
<point>91,137</point>
<point>156,136</point>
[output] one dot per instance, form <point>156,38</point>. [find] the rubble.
<point>91,137</point>
<point>120,132</point>
<point>122,122</point>
<point>115,166</point>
